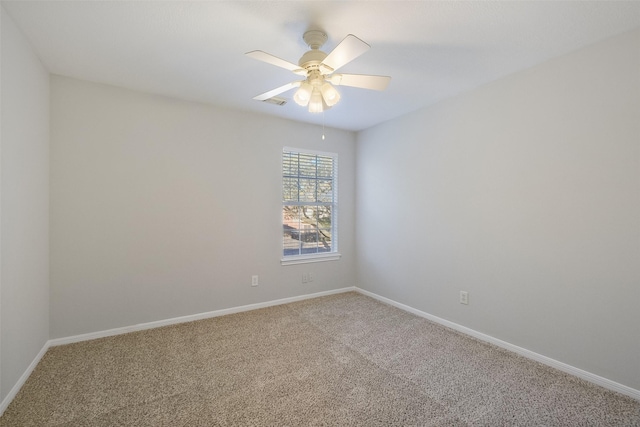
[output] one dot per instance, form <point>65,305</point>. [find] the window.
<point>309,206</point>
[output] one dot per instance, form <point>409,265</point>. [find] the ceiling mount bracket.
<point>315,38</point>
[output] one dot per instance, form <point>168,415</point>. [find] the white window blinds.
<point>309,202</point>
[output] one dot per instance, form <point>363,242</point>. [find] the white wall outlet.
<point>254,280</point>
<point>464,297</point>
<point>311,277</point>
<point>305,277</point>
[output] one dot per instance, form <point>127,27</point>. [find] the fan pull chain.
<point>323,125</point>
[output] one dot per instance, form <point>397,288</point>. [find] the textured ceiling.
<point>195,50</point>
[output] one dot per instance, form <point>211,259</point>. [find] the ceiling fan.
<point>316,91</point>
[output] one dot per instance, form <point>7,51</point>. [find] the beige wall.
<point>163,208</point>
<point>526,194</point>
<point>24,223</point>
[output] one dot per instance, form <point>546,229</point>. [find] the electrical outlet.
<point>254,280</point>
<point>305,277</point>
<point>311,277</point>
<point>464,297</point>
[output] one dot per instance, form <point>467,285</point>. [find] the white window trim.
<point>324,256</point>
<point>308,258</point>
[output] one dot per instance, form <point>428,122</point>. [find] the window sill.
<point>305,259</point>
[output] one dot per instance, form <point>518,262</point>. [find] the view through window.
<point>309,202</point>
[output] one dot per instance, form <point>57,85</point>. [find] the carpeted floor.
<point>344,360</point>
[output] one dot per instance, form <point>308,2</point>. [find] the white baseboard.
<point>18,385</point>
<point>593,378</point>
<point>190,318</point>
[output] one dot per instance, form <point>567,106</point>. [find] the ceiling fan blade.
<point>361,80</point>
<point>349,49</point>
<point>276,91</point>
<point>273,60</point>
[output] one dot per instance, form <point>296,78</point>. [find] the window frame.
<point>313,257</point>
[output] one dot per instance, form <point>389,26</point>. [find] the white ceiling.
<point>195,50</point>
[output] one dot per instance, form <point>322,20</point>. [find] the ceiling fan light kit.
<point>316,92</point>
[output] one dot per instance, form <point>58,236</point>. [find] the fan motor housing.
<point>312,59</point>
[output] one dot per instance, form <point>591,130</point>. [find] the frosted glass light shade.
<point>330,94</point>
<point>315,104</point>
<point>303,94</point>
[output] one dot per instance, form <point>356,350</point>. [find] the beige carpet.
<point>343,360</point>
